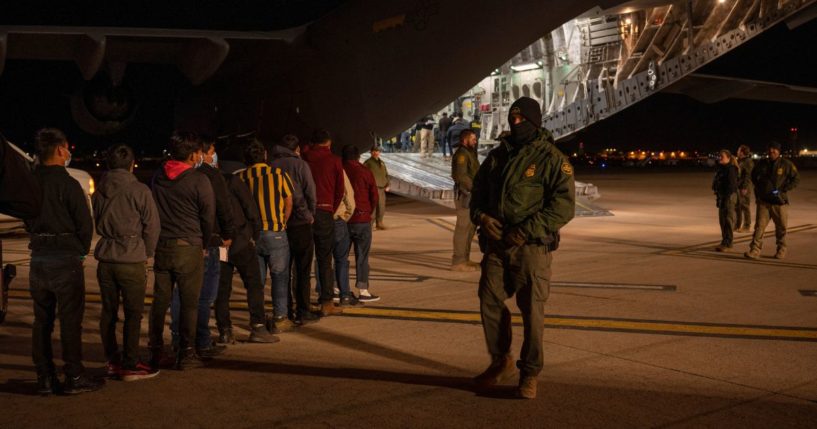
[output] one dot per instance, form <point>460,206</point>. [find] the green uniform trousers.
<point>463,232</point>
<point>176,264</point>
<point>129,282</point>
<point>380,210</point>
<point>726,218</point>
<point>743,213</point>
<point>779,214</point>
<point>523,271</point>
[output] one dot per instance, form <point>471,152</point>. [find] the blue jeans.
<point>447,145</point>
<point>207,296</point>
<point>361,236</point>
<point>340,255</point>
<point>273,255</point>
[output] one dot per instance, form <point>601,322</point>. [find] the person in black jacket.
<point>725,186</point>
<point>773,178</point>
<point>244,259</point>
<point>222,237</point>
<point>60,240</point>
<point>187,212</point>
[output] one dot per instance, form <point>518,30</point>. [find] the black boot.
<point>81,384</point>
<point>187,358</point>
<point>48,384</point>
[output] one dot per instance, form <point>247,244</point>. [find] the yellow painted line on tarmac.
<point>603,324</point>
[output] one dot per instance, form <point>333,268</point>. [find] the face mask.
<point>523,132</point>
<point>68,160</point>
<point>214,163</point>
<point>199,161</point>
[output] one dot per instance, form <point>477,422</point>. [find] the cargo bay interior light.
<point>525,67</point>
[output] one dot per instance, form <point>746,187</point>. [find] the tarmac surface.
<point>647,327</point>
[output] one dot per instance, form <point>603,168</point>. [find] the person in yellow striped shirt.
<point>272,191</point>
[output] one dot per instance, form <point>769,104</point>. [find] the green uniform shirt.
<point>780,175</point>
<point>464,166</point>
<point>378,168</point>
<point>745,175</point>
<point>530,187</point>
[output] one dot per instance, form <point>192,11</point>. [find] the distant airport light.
<point>721,1</point>
<point>628,21</point>
<point>525,67</point>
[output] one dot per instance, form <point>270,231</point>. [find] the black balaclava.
<point>526,131</point>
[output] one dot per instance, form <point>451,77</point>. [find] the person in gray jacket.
<point>128,224</point>
<point>286,155</point>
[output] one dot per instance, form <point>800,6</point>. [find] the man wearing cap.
<point>523,194</point>
<point>381,178</point>
<point>773,178</point>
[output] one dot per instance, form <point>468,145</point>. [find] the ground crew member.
<point>463,169</point>
<point>772,178</point>
<point>60,238</point>
<point>381,178</point>
<point>743,217</point>
<point>523,194</point>
<point>127,221</point>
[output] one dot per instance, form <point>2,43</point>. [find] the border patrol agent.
<point>463,169</point>
<point>523,194</point>
<point>773,178</point>
<point>743,221</point>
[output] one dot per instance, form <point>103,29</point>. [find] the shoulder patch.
<point>530,171</point>
<point>567,168</point>
<point>780,171</point>
<point>461,159</point>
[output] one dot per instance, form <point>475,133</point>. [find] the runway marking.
<point>442,224</point>
<point>632,326</point>
<point>807,292</point>
<point>661,327</point>
<point>706,251</point>
<point>589,285</point>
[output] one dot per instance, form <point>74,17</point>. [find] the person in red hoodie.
<point>360,224</point>
<point>187,214</point>
<point>327,171</point>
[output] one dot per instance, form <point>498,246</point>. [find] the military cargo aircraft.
<point>359,68</point>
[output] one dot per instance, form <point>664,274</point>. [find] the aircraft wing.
<point>197,53</point>
<point>712,89</point>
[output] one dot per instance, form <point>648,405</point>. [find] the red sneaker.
<point>140,372</point>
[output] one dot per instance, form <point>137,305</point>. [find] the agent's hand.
<point>491,226</point>
<point>515,237</point>
<point>227,243</point>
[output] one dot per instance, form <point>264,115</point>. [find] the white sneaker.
<point>365,296</point>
